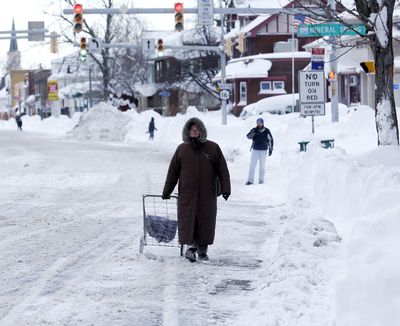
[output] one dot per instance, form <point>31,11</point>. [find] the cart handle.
<point>159,196</point>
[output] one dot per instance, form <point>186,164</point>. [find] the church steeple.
<point>13,42</point>
<point>13,56</point>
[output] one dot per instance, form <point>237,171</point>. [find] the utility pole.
<point>223,68</point>
<point>334,82</point>
<point>90,88</point>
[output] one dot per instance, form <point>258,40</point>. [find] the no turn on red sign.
<point>312,92</point>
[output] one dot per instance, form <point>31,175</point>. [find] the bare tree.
<point>197,68</point>
<point>377,16</point>
<point>112,62</point>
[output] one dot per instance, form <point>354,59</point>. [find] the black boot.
<point>203,256</point>
<point>191,254</point>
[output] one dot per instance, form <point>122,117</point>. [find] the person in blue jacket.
<point>152,127</point>
<point>263,145</point>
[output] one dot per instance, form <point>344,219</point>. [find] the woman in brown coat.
<point>197,163</point>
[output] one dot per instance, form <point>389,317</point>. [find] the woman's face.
<point>194,131</point>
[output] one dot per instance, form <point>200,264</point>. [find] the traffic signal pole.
<point>223,70</point>
<point>220,10</point>
<point>334,82</point>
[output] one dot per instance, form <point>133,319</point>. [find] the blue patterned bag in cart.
<point>160,228</point>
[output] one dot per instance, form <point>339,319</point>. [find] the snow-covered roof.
<point>275,55</point>
<point>146,90</point>
<point>250,68</point>
<point>81,87</point>
<point>254,23</point>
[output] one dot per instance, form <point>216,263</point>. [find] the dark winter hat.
<point>199,124</point>
<point>260,120</point>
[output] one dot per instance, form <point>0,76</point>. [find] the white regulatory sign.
<point>148,46</point>
<point>205,12</point>
<point>94,45</point>
<point>224,94</point>
<point>312,92</point>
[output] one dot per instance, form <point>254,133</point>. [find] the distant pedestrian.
<point>19,122</point>
<point>262,145</point>
<point>197,163</point>
<point>152,127</point>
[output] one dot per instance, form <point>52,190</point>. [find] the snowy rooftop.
<point>277,55</point>
<point>250,68</point>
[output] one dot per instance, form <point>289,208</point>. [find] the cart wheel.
<point>182,249</point>
<point>141,245</point>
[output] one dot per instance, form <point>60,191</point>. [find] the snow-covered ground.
<point>315,245</point>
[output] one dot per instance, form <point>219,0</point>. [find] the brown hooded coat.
<point>197,199</point>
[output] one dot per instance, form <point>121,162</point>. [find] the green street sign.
<point>332,29</point>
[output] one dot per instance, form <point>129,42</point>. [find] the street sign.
<point>224,94</point>
<point>317,65</point>
<point>165,93</point>
<point>317,58</point>
<point>33,34</point>
<point>94,45</point>
<point>52,90</point>
<point>148,45</point>
<point>312,109</point>
<point>312,92</point>
<point>205,12</point>
<point>317,54</point>
<point>332,29</point>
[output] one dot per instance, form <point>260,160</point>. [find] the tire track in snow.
<point>61,273</point>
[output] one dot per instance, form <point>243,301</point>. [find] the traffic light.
<point>228,47</point>
<point>78,18</point>
<point>179,16</point>
<point>83,50</point>
<point>368,66</point>
<point>160,47</point>
<point>332,75</point>
<point>240,45</point>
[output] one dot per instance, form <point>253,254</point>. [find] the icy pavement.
<point>70,224</point>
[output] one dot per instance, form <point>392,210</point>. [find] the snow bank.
<point>53,126</point>
<point>102,122</point>
<point>360,195</point>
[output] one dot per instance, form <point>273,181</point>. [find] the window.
<point>265,86</point>
<point>353,80</point>
<point>243,93</point>
<point>279,85</point>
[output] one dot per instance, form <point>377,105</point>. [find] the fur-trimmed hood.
<point>200,125</point>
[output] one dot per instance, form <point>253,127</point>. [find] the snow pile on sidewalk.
<point>360,195</point>
<point>53,126</point>
<point>103,122</point>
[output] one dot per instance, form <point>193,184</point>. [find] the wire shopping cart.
<point>160,222</point>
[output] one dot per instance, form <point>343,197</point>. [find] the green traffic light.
<point>83,54</point>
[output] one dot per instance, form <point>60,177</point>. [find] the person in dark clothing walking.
<point>152,127</point>
<point>196,164</point>
<point>19,122</point>
<point>263,144</point>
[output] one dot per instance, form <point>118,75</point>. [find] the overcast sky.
<point>34,10</point>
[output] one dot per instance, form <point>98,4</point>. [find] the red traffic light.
<point>78,9</point>
<point>83,43</point>
<point>178,7</point>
